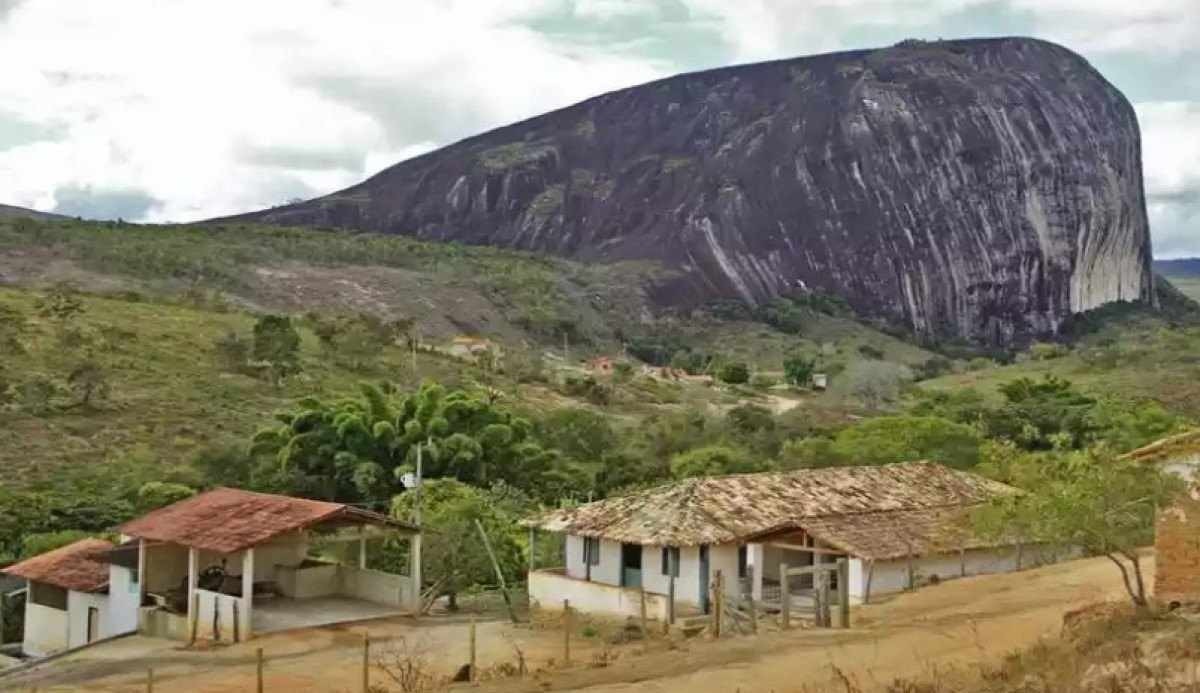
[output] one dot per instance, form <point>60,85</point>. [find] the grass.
<point>168,396</point>
<point>1140,358</point>
<point>1189,285</point>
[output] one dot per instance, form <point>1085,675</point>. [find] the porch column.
<point>141,572</point>
<point>248,594</point>
<point>414,571</point>
<point>757,559</point>
<point>193,579</point>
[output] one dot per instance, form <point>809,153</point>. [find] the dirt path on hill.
<point>957,623</point>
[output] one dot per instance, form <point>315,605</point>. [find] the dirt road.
<point>953,624</point>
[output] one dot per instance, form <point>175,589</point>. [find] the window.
<point>742,561</point>
<point>670,561</point>
<point>46,595</point>
<point>591,551</point>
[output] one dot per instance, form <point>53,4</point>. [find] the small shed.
<point>228,563</point>
<point>66,599</point>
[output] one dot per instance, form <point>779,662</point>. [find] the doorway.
<point>704,605</point>
<point>93,624</point>
<point>631,565</point>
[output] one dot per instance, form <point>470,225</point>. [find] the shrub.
<point>762,381</point>
<point>734,373</point>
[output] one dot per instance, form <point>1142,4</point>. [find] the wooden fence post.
<point>717,604</point>
<point>1020,548</point>
<point>912,575</point>
<point>471,675</point>
<point>150,680</point>
<point>844,591</point>
<point>785,597</point>
<point>645,629</point>
<point>962,562</point>
<point>670,603</point>
<point>259,674</point>
<point>753,615</point>
<point>870,575</point>
<point>566,631</point>
<point>366,663</point>
<point>821,598</point>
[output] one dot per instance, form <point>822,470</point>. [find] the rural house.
<point>1177,530</point>
<point>898,525</point>
<point>66,597</point>
<point>223,565</point>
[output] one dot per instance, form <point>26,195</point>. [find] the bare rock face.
<point>983,189</point>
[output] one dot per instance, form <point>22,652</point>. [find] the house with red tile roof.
<point>66,597</point>
<point>223,565</point>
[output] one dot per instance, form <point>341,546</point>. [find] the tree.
<point>277,343</point>
<point>355,449</point>
<point>578,433</point>
<point>888,439</point>
<point>714,460</point>
<point>88,381</point>
<point>875,383</point>
<point>1042,414</point>
<point>42,542</point>
<point>798,370</point>
<point>1092,501</point>
<point>158,494</point>
<point>734,373</point>
<point>453,556</point>
<point>748,419</point>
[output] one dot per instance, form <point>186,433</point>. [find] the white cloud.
<point>210,107</point>
<point>213,116</point>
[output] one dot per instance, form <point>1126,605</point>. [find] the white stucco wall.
<point>687,586</point>
<point>216,617</point>
<point>548,589</point>
<point>375,586</point>
<point>888,577</point>
<point>124,600</point>
<point>609,569</point>
<point>78,604</point>
<point>45,630</point>
<point>308,582</point>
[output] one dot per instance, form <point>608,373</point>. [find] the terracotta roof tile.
<point>227,520</point>
<point>717,510</point>
<point>81,566</point>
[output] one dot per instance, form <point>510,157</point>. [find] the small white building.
<point>67,601</point>
<point>223,565</point>
<point>898,526</point>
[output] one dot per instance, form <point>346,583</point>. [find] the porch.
<point>273,563</point>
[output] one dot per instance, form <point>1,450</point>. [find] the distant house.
<point>223,565</point>
<point>67,601</point>
<point>600,365</point>
<point>465,346</point>
<point>898,525</point>
<point>1177,530</point>
<point>820,381</point>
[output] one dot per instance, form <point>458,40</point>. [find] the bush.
<point>1046,351</point>
<point>762,381</point>
<point>734,373</point>
<point>798,370</point>
<point>875,383</point>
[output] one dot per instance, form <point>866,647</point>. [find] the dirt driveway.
<point>956,623</point>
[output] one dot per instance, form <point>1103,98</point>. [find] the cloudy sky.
<point>156,110</point>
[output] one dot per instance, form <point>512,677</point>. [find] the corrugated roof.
<point>1182,445</point>
<point>81,566</point>
<point>227,520</point>
<point>716,510</point>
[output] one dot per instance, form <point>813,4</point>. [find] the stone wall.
<point>1177,549</point>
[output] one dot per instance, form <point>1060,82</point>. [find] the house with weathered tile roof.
<point>223,565</point>
<point>897,526</point>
